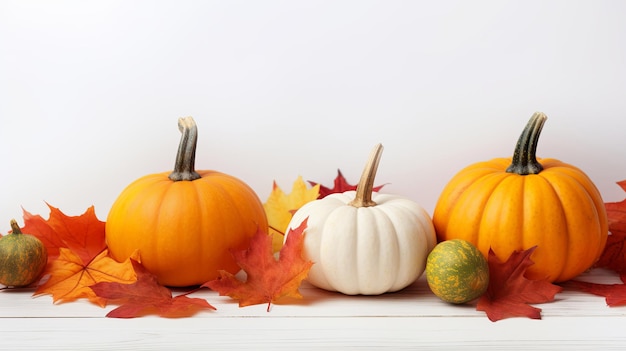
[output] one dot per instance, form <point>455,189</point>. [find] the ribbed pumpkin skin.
<point>456,271</point>
<point>22,259</point>
<point>559,210</point>
<point>184,229</point>
<point>365,250</point>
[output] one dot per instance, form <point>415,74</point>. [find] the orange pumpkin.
<point>509,204</point>
<point>184,223</point>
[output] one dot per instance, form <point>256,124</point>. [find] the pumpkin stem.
<point>184,168</point>
<point>15,229</point>
<point>365,187</point>
<point>524,160</point>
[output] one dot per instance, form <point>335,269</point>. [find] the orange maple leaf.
<point>83,234</point>
<point>267,280</point>
<point>70,279</point>
<point>510,293</point>
<point>146,296</point>
<point>77,255</point>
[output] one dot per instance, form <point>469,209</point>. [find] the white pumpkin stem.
<point>184,168</point>
<point>365,187</point>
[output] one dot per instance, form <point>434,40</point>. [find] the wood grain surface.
<point>410,319</point>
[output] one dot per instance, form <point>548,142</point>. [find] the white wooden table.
<point>411,319</point>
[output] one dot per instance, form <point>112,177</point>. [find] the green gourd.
<point>23,258</point>
<point>456,271</point>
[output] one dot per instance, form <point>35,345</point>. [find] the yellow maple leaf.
<point>280,208</point>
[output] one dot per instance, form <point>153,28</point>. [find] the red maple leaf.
<point>509,292</point>
<point>341,185</point>
<point>146,296</point>
<point>616,213</point>
<point>614,294</point>
<point>614,255</point>
<point>267,280</point>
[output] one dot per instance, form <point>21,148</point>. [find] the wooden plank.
<point>559,333</point>
<point>413,318</point>
<point>415,301</point>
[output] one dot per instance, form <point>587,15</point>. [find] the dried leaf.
<point>616,213</point>
<point>83,235</point>
<point>340,186</point>
<point>614,255</point>
<point>146,296</point>
<point>267,280</point>
<point>615,294</point>
<point>70,278</point>
<point>77,255</point>
<point>510,293</point>
<point>280,208</point>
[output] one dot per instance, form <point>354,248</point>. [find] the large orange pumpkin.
<point>184,223</point>
<point>509,204</point>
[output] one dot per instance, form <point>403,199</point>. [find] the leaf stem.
<point>276,230</point>
<point>363,197</point>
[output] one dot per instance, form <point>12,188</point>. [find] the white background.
<point>90,92</point>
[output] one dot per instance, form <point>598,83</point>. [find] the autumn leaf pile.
<point>77,256</point>
<point>79,266</point>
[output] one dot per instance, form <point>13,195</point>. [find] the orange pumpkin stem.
<point>524,160</point>
<point>365,187</point>
<point>184,168</point>
<point>15,229</point>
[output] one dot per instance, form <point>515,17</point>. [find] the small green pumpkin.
<point>23,258</point>
<point>456,271</point>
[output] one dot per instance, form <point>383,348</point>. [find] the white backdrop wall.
<point>90,92</point>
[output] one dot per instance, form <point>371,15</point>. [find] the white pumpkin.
<point>364,243</point>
